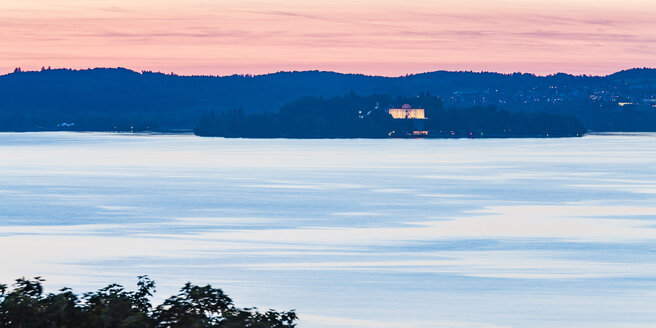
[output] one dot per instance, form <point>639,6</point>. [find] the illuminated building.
<point>415,126</point>
<point>407,112</point>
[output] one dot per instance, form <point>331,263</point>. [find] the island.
<point>384,116</point>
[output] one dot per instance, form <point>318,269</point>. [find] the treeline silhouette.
<point>27,306</point>
<point>353,116</point>
<point>116,99</point>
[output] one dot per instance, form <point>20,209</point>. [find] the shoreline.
<point>191,133</point>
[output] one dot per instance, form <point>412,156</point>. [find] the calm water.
<point>351,233</point>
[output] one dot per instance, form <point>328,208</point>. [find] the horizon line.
<point>316,70</point>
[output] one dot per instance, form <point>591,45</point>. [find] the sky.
<point>381,37</point>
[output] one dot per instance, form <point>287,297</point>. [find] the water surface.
<point>351,233</point>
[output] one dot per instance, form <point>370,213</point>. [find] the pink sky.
<point>387,37</point>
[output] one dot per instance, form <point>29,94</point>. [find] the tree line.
<point>354,116</point>
<point>115,99</point>
<point>25,305</point>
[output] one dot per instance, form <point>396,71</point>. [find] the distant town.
<point>611,95</point>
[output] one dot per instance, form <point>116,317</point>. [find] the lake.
<point>350,233</point>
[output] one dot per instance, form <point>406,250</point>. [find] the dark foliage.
<point>488,121</point>
<point>307,117</point>
<point>353,116</point>
<point>26,306</point>
<point>123,100</point>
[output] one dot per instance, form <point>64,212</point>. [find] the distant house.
<point>407,112</point>
<point>416,117</point>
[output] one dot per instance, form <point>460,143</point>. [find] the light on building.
<point>407,112</point>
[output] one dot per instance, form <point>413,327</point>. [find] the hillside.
<point>121,99</point>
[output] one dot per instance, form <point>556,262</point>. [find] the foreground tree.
<point>26,306</point>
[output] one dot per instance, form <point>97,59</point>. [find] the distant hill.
<point>121,99</point>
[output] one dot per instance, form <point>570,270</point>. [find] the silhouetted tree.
<point>26,306</point>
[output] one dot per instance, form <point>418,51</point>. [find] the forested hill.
<point>120,99</point>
